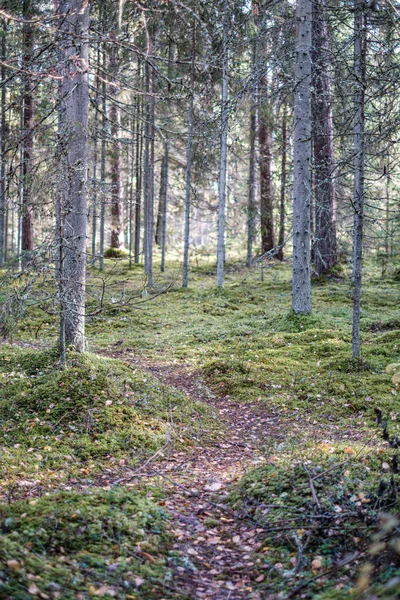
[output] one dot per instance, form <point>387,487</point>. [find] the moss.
<point>70,542</point>
<point>116,253</point>
<point>97,409</point>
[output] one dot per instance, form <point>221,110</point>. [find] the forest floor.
<point>214,446</point>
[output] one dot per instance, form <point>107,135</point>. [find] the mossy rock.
<point>116,253</point>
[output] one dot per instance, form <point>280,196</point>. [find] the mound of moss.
<point>70,545</point>
<point>116,253</point>
<point>320,504</point>
<point>55,421</point>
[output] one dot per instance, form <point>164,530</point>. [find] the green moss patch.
<point>98,544</point>
<point>59,423</point>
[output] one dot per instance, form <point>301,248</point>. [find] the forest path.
<point>214,545</point>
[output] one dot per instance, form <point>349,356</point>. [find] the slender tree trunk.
<point>252,189</point>
<point>324,189</point>
<point>282,204</point>
<point>3,144</point>
<point>149,170</point>
<point>27,131</point>
<point>266,191</point>
<point>224,150</point>
<point>131,180</point>
<point>150,207</point>
<point>116,151</point>
<point>75,100</point>
<point>95,160</point>
<point>146,163</point>
<point>162,211</point>
<point>301,284</point>
<point>359,166</point>
<point>138,171</point>
<point>103,166</point>
<point>163,202</point>
<point>189,142</point>
<point>387,211</point>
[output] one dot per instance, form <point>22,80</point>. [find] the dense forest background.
<point>199,288</point>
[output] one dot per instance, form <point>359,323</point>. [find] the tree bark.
<point>252,188</point>
<point>301,283</point>
<point>3,203</point>
<point>324,188</point>
<point>74,135</point>
<point>116,150</point>
<point>95,159</point>
<point>138,171</point>
<point>224,150</point>
<point>103,165</point>
<point>282,204</point>
<point>359,167</point>
<point>266,191</point>
<point>189,142</point>
<point>27,132</point>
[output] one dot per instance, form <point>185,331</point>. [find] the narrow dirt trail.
<point>214,546</point>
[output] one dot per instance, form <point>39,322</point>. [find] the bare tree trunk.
<point>163,202</point>
<point>103,166</point>
<point>131,179</point>
<point>74,135</point>
<point>3,144</point>
<point>149,169</point>
<point>224,150</point>
<point>388,250</point>
<point>27,132</point>
<point>266,191</point>
<point>162,214</point>
<point>189,142</point>
<point>116,151</point>
<point>146,162</point>
<point>95,160</point>
<point>282,204</point>
<point>252,189</point>
<point>359,166</point>
<point>138,170</point>
<point>301,284</point>
<point>324,189</point>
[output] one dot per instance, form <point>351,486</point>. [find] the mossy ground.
<point>72,545</point>
<point>247,343</point>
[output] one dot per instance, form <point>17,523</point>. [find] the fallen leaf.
<point>33,589</point>
<point>13,564</point>
<point>316,563</point>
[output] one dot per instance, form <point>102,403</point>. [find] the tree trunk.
<point>27,131</point>
<point>301,284</point>
<point>131,171</point>
<point>74,136</point>
<point>95,160</point>
<point>3,144</point>
<point>359,165</point>
<point>252,189</point>
<point>103,166</point>
<point>266,192</point>
<point>162,214</point>
<point>324,189</point>
<point>149,169</point>
<point>116,150</point>
<point>224,150</point>
<point>282,204</point>
<point>189,142</point>
<point>138,171</point>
